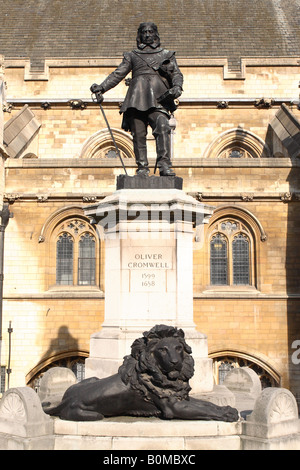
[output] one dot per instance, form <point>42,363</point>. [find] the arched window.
<point>101,146</point>
<point>223,363</point>
<point>237,143</point>
<point>231,254</point>
<point>75,254</point>
<point>232,250</point>
<point>72,361</point>
<point>73,250</point>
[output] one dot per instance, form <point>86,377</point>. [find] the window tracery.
<point>231,257</point>
<point>222,364</point>
<point>101,146</point>
<point>237,143</point>
<point>236,152</point>
<point>74,362</point>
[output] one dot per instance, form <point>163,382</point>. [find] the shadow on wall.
<point>63,351</point>
<point>63,342</point>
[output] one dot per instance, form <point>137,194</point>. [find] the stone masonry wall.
<point>261,322</point>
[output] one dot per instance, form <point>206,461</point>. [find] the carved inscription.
<point>148,266</point>
<point>148,281</point>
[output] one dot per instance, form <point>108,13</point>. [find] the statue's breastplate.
<point>147,63</point>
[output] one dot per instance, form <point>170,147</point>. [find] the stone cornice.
<point>39,163</point>
<point>218,295</point>
<point>93,198</point>
<point>44,73</point>
<point>219,102</point>
<point>98,294</point>
<point>247,196</point>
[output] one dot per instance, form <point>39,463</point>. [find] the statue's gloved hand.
<point>176,91</point>
<point>97,90</point>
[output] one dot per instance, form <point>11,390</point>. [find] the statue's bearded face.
<point>148,35</point>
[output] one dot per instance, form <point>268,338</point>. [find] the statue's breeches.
<point>159,122</point>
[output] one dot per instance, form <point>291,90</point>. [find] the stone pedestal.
<point>148,274</point>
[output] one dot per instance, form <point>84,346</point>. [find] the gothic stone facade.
<point>236,146</point>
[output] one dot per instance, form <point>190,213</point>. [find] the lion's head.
<point>160,363</point>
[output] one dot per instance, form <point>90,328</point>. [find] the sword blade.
<point>113,139</point>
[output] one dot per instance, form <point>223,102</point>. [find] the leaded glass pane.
<point>79,370</point>
<point>236,153</point>
<point>224,368</point>
<point>64,260</point>
<point>240,255</point>
<point>87,260</point>
<point>218,260</point>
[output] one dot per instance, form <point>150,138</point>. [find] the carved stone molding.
<point>89,198</point>
<point>283,408</point>
<point>286,197</point>
<point>42,198</point>
<point>23,420</point>
<point>247,197</point>
<point>12,408</point>
<point>7,107</point>
<point>65,213</point>
<point>237,138</point>
<point>99,144</point>
<point>275,405</point>
<point>242,214</point>
<point>11,198</point>
<point>263,103</point>
<point>222,105</point>
<point>77,104</point>
<point>46,105</point>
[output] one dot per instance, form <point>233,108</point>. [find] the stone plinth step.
<point>149,182</point>
<point>129,433</point>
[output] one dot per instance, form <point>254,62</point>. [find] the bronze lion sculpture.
<point>152,381</point>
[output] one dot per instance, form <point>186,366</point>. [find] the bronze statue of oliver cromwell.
<point>156,82</point>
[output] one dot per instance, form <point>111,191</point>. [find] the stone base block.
<point>272,425</point>
<point>220,395</point>
<point>23,424</point>
<point>149,182</point>
<point>291,442</point>
<point>202,380</point>
<point>146,434</point>
<point>54,383</point>
<point>96,367</point>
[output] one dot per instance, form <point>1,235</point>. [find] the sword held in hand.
<point>97,97</point>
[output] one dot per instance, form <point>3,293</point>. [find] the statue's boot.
<point>166,171</point>
<point>142,170</point>
<point>142,162</point>
<point>163,147</point>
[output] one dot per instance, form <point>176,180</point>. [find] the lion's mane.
<point>143,374</point>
